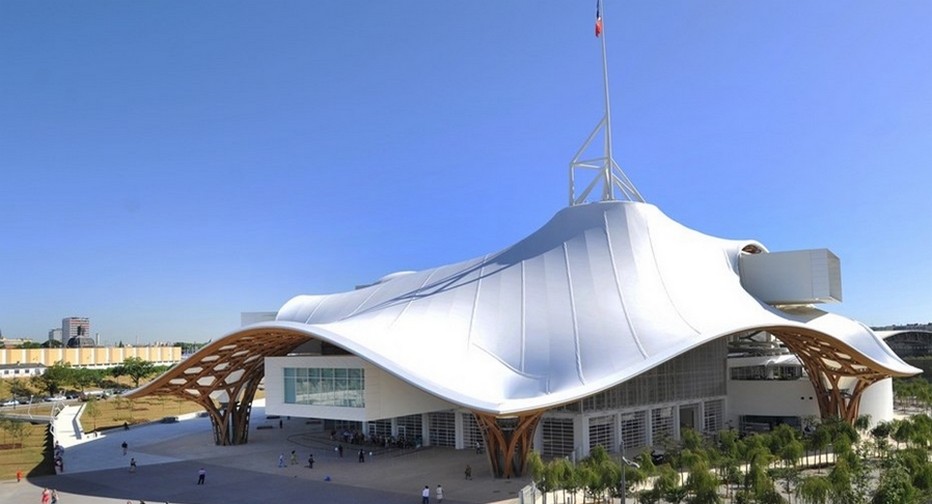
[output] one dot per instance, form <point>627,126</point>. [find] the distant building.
<point>21,370</point>
<point>89,357</point>
<point>55,335</point>
<point>76,327</point>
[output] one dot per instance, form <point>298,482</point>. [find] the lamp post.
<point>625,463</point>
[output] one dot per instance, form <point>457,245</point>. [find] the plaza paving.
<point>168,457</point>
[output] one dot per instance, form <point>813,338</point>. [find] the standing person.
<point>53,499</point>
<point>19,475</point>
<point>310,461</point>
<point>281,460</point>
<point>280,424</point>
<point>425,495</point>
<point>468,471</point>
<point>362,456</point>
<point>201,475</point>
<point>46,496</point>
<point>132,464</point>
<point>439,494</point>
<point>340,449</point>
<point>294,457</point>
<point>125,446</point>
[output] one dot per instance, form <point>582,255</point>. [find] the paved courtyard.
<point>169,456</point>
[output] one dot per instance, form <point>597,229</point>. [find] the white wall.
<point>771,397</point>
<point>877,401</point>
<point>385,395</point>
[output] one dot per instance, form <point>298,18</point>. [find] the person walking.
<point>468,472</point>
<point>294,457</point>
<point>53,497</point>
<point>132,464</point>
<point>362,456</point>
<point>281,460</point>
<point>125,446</point>
<point>439,494</point>
<point>425,495</point>
<point>46,496</point>
<point>201,476</point>
<point>310,461</point>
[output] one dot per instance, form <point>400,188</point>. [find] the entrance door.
<point>689,417</point>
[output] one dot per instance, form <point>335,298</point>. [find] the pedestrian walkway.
<point>170,455</point>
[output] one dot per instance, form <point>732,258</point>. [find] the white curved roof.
<point>599,294</point>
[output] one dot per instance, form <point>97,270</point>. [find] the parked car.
<point>10,402</point>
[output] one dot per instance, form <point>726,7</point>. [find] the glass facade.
<point>339,387</point>
<point>442,428</point>
<point>558,437</point>
<point>697,373</point>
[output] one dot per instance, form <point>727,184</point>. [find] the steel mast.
<point>610,175</point>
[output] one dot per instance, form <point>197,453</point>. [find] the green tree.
<point>895,487</point>
<point>92,410</point>
<point>540,474</point>
<point>702,485</point>
<point>819,440</point>
<point>55,378</point>
<point>134,367</point>
<point>16,429</point>
<point>20,388</point>
<point>814,490</point>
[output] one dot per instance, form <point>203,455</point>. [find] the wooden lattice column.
<point>827,364</point>
<point>508,441</point>
<point>223,378</point>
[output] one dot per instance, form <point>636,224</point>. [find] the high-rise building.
<point>76,328</point>
<point>55,335</point>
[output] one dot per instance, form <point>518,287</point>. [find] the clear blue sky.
<point>167,165</point>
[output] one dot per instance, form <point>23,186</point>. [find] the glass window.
<point>325,387</point>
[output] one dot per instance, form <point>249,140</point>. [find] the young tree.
<point>56,377</point>
<point>19,388</point>
<point>92,410</point>
<point>895,487</point>
<point>17,430</point>
<point>136,368</point>
<point>814,490</point>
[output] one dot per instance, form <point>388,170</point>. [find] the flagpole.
<point>608,193</point>
<point>607,172</point>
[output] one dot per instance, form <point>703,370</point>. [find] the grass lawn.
<point>113,412</point>
<point>29,457</point>
<point>33,457</point>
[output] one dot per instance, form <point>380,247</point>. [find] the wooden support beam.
<point>508,441</point>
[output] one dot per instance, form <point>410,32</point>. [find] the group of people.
<point>294,459</point>
<point>59,457</point>
<point>425,495</point>
<point>355,437</point>
<point>49,496</point>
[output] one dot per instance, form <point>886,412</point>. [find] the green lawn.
<point>33,455</point>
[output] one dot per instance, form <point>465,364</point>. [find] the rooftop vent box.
<point>794,277</point>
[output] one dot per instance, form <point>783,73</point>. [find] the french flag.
<point>598,18</point>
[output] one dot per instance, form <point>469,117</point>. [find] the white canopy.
<point>601,293</point>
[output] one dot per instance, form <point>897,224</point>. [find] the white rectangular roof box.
<point>793,277</point>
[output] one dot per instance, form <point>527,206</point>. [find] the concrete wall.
<point>771,397</point>
<point>90,357</point>
<point>385,395</point>
<point>797,398</point>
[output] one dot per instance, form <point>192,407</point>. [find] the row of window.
<point>762,372</point>
<point>339,387</point>
<point>22,371</point>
